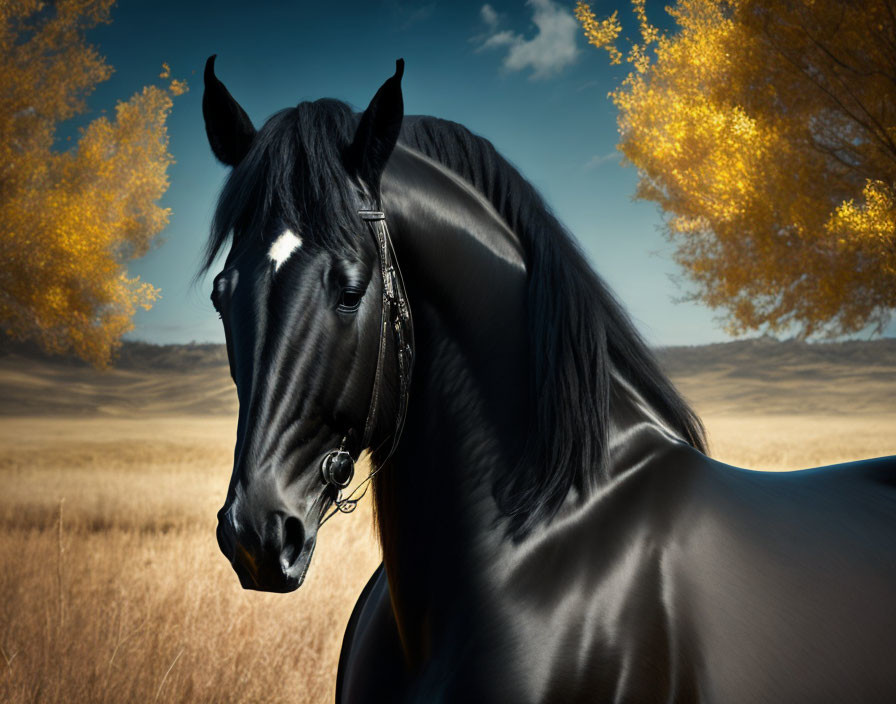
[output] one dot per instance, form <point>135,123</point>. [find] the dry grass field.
<point>112,588</point>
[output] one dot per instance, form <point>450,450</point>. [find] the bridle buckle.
<point>338,468</point>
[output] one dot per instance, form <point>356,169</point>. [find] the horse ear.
<point>377,131</point>
<point>229,129</point>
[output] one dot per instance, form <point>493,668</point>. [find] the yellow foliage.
<point>766,133</point>
<point>178,87</point>
<point>602,34</point>
<point>868,227</point>
<point>69,220</point>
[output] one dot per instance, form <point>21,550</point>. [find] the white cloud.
<point>548,52</point>
<point>499,39</point>
<point>409,13</point>
<point>600,159</point>
<point>489,16</point>
<point>424,12</point>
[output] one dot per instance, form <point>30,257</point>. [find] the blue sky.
<point>518,73</point>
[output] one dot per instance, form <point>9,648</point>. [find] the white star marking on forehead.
<point>283,246</point>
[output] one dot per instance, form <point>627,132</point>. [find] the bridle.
<point>338,466</point>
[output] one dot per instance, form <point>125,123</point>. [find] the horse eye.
<point>350,300</point>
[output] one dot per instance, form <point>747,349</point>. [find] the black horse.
<point>551,528</point>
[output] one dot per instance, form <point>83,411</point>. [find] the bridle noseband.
<point>338,466</point>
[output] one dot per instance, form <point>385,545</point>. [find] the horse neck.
<point>439,525</point>
<point>466,283</point>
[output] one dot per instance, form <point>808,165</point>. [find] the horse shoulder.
<point>595,617</point>
<point>371,663</point>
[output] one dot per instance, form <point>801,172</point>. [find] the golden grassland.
<point>112,588</point>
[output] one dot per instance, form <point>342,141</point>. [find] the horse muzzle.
<point>272,557</point>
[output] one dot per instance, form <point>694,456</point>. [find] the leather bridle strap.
<point>337,466</point>
<point>396,313</point>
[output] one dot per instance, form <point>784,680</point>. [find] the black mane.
<point>578,331</point>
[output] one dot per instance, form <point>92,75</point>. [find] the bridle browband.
<point>338,466</point>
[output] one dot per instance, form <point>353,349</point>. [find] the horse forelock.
<point>293,176</point>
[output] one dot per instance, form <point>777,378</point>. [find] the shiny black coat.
<point>552,529</point>
<point>680,579</point>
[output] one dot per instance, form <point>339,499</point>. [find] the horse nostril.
<point>293,540</point>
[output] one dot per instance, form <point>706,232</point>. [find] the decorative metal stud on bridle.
<point>338,466</point>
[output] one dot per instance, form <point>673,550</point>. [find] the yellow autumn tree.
<point>766,132</point>
<point>70,219</point>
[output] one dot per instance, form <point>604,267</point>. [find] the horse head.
<point>301,300</point>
